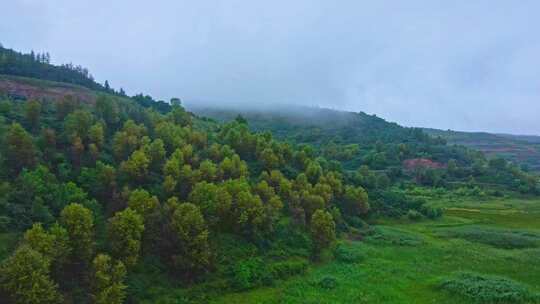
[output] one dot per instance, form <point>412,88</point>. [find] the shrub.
<point>288,268</point>
<point>392,236</point>
<point>431,212</point>
<point>414,215</point>
<point>488,289</point>
<point>349,254</point>
<point>250,273</point>
<point>256,272</point>
<point>328,282</point>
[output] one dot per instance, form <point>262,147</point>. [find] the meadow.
<point>428,261</point>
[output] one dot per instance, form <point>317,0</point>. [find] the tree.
<point>78,123</point>
<point>323,230</point>
<point>96,135</point>
<point>107,110</point>
<point>25,276</point>
<point>208,171</point>
<point>136,167</point>
<point>79,223</point>
<point>192,254</point>
<point>32,111</point>
<point>129,139</point>
<point>19,149</point>
<point>108,280</point>
<point>356,200</point>
<point>214,201</point>
<point>142,202</point>
<point>53,244</point>
<point>125,234</point>
<point>156,152</point>
<point>452,167</point>
<point>313,172</point>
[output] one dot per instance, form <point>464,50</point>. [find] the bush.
<point>328,282</point>
<point>488,289</point>
<point>250,273</point>
<point>431,212</point>
<point>349,254</point>
<point>285,269</point>
<point>393,236</point>
<point>256,272</point>
<point>414,215</point>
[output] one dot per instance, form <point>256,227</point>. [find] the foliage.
<point>488,289</point>
<point>323,230</point>
<point>108,281</point>
<point>125,233</point>
<point>79,223</point>
<point>26,277</point>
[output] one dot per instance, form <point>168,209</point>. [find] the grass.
<point>402,261</point>
<point>506,239</point>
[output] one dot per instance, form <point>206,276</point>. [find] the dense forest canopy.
<point>109,197</point>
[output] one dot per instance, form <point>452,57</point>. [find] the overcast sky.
<point>461,64</point>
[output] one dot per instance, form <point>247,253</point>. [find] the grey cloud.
<point>466,65</point>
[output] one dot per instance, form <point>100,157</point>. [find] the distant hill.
<point>38,65</point>
<point>315,125</point>
<point>520,149</point>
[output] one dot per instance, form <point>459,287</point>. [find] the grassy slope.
<point>393,273</point>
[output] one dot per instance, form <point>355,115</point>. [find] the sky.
<point>469,65</point>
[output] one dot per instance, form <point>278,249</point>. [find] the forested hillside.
<point>522,150</point>
<point>115,199</point>
<point>38,65</point>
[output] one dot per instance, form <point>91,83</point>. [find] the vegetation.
<point>488,289</point>
<point>132,200</point>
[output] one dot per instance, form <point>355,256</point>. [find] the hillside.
<point>106,198</point>
<point>522,150</point>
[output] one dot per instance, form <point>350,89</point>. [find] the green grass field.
<point>406,262</point>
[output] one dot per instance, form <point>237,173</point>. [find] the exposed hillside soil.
<point>415,163</point>
<point>29,89</point>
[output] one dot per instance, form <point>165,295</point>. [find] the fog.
<point>463,65</point>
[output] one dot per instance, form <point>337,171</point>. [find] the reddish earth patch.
<point>415,163</point>
<point>30,91</point>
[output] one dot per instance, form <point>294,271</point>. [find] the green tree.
<point>356,200</point>
<point>323,230</point>
<point>25,276</point>
<point>107,281</point>
<point>156,152</point>
<point>313,172</point>
<point>192,254</point>
<point>213,200</point>
<point>19,149</point>
<point>136,167</point>
<point>96,135</point>
<point>142,202</point>
<point>129,139</point>
<point>125,234</point>
<point>79,223</point>
<point>32,112</point>
<point>53,244</point>
<point>78,124</point>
